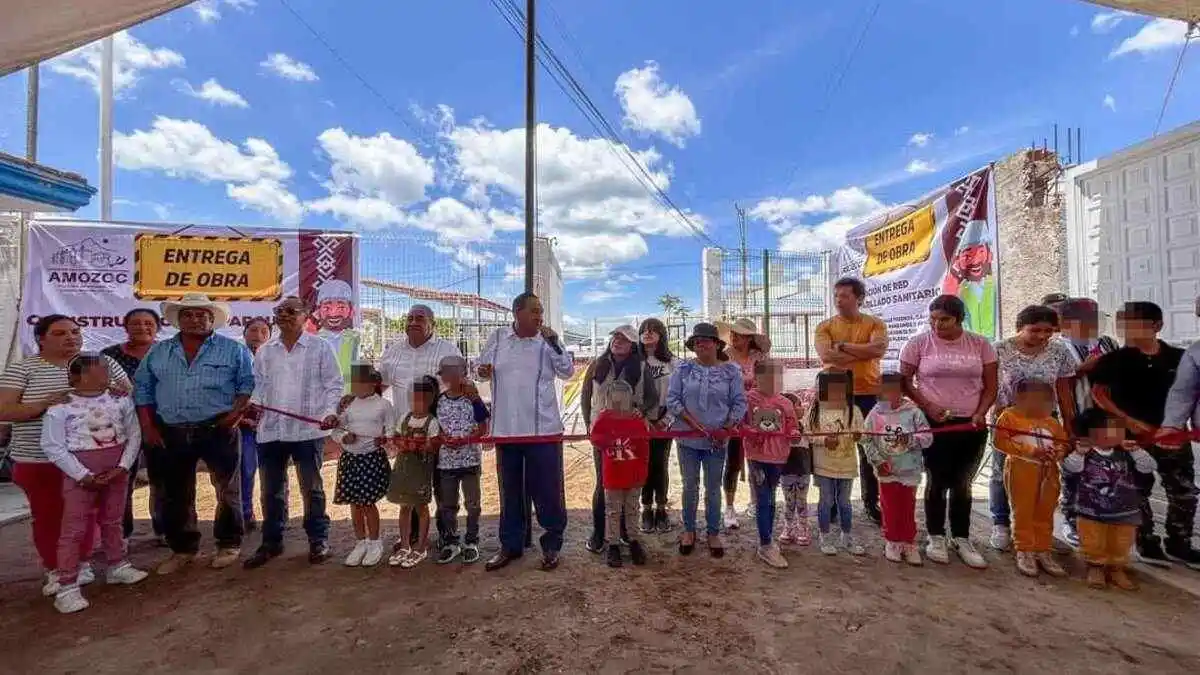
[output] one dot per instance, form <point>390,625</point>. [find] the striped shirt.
<point>183,393</point>
<point>37,380</point>
<point>305,380</point>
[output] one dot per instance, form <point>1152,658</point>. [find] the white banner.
<point>944,243</point>
<point>97,272</point>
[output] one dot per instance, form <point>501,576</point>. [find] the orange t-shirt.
<point>861,331</point>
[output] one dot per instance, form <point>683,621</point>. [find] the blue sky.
<point>232,111</point>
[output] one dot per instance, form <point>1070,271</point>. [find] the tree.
<point>671,304</point>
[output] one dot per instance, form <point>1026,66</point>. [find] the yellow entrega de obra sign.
<point>900,243</point>
<point>166,266</point>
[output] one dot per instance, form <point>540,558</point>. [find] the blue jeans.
<point>997,495</point>
<point>834,491</point>
<point>538,468</point>
<point>272,463</point>
<point>765,478</point>
<point>691,462</point>
<point>249,467</point>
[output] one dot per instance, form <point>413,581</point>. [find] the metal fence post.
<point>807,341</point>
<point>767,293</point>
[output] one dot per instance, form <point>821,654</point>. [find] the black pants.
<point>598,514</point>
<point>451,484</point>
<point>950,466</point>
<point>735,464</point>
<point>868,483</point>
<point>155,500</point>
<point>1069,488</point>
<point>654,492</point>
<point>176,472</point>
<point>1177,473</point>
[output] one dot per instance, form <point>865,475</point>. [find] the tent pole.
<point>106,129</point>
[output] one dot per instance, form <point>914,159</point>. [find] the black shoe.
<point>1151,553</point>
<point>686,549</point>
<point>1184,553</point>
<point>594,545</point>
<point>636,553</point>
<point>318,553</point>
<point>661,522</point>
<point>647,520</point>
<point>499,561</point>
<point>614,556</point>
<point>549,561</point>
<point>261,557</point>
<point>874,513</point>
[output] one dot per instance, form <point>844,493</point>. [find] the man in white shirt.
<point>296,372</point>
<point>522,362</point>
<point>407,360</point>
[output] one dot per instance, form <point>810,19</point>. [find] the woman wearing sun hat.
<point>705,394</point>
<point>745,347</point>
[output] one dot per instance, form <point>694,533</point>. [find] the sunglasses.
<point>287,311</point>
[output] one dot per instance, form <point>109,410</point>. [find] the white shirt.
<point>367,418</point>
<point>401,365</point>
<point>524,399</point>
<point>305,380</point>
<point>87,423</point>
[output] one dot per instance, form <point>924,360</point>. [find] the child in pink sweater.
<point>772,415</point>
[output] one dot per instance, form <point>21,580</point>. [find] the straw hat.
<point>749,329</point>
<point>171,309</point>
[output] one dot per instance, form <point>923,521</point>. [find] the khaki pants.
<point>1105,543</point>
<point>619,503</point>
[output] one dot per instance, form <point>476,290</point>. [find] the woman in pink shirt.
<point>746,348</point>
<point>951,373</point>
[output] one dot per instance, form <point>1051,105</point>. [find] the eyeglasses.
<point>287,311</point>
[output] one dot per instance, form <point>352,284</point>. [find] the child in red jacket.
<point>623,438</point>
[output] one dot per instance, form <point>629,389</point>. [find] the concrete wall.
<point>1033,242</point>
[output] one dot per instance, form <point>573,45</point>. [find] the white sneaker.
<point>70,599</point>
<point>87,575</point>
<point>399,557</point>
<point>970,556</point>
<point>1001,538</point>
<point>771,555</point>
<point>51,587</point>
<point>893,551</point>
<point>374,553</point>
<point>124,574</point>
<point>356,554</point>
<point>936,550</point>
<point>851,545</point>
<point>912,555</point>
<point>825,543</point>
<point>731,518</point>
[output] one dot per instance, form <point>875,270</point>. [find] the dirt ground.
<point>832,614</point>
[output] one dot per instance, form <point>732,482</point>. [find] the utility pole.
<point>106,129</point>
<point>741,221</point>
<point>530,141</point>
<point>31,113</point>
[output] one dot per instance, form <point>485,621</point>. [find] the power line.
<point>354,72</point>
<point>1187,40</point>
<point>569,85</point>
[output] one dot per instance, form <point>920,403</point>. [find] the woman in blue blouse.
<point>706,395</point>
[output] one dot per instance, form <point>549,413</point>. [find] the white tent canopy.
<point>36,30</point>
<point>1182,10</point>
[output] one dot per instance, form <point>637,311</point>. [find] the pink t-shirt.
<point>950,372</point>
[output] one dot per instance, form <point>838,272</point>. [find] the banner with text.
<point>945,243</point>
<point>96,272</point>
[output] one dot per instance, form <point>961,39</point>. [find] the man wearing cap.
<point>522,361</point>
<point>191,390</point>
<point>410,358</point>
<point>295,372</point>
<point>335,316</point>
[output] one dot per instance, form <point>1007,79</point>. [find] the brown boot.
<point>1120,579</point>
<point>1095,577</point>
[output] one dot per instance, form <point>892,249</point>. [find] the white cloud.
<point>1110,102</point>
<point>369,212</point>
<point>379,166</point>
<point>214,93</point>
<point>652,106</point>
<point>919,166</point>
<point>1074,31</point>
<point>962,130</point>
<point>920,139</point>
<point>289,68</point>
<point>1156,35</point>
<point>609,289</point>
<point>208,11</point>
<point>254,174</point>
<point>848,206</point>
<point>130,58</point>
<point>1104,22</point>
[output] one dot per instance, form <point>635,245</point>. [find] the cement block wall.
<point>1032,238</point>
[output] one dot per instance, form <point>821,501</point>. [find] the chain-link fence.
<point>785,293</point>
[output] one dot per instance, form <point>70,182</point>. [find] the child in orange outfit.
<point>1029,434</point>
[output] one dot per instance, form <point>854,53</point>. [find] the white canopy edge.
<point>32,31</point>
<point>1181,10</point>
